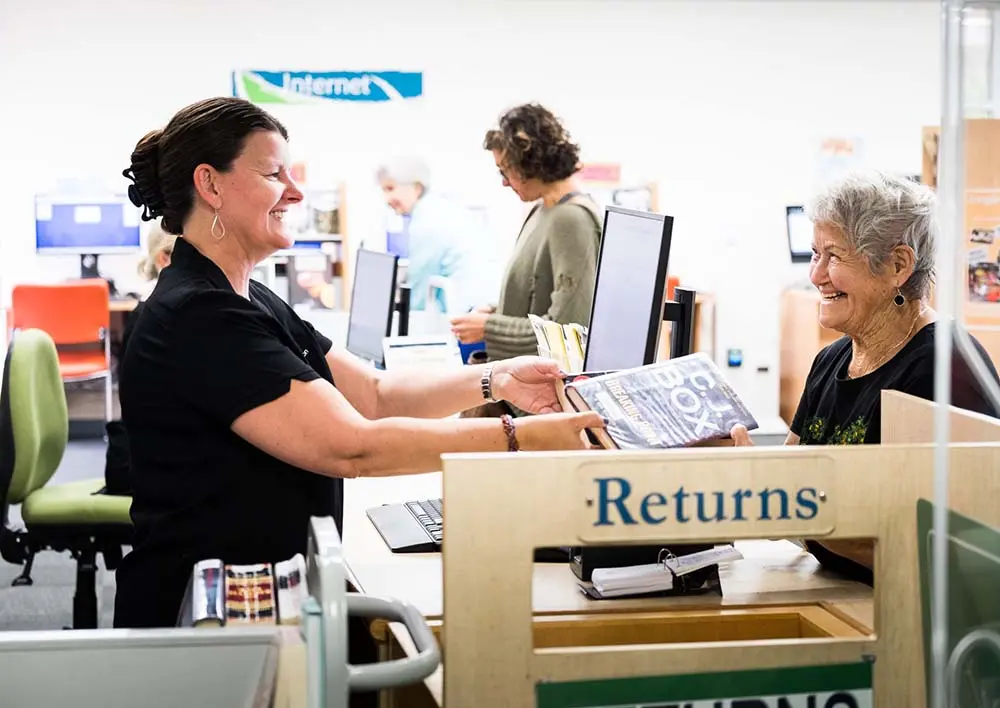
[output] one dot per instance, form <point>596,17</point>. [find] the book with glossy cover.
<point>290,578</point>
<point>673,403</point>
<point>250,594</point>
<point>208,594</point>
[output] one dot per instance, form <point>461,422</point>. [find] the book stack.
<point>564,343</point>
<point>655,577</point>
<point>258,593</point>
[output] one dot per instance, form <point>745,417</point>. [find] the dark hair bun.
<point>145,190</point>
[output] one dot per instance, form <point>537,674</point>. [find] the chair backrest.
<point>6,440</point>
<point>72,313</point>
<point>34,421</point>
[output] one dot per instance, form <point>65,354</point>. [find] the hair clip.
<point>135,196</point>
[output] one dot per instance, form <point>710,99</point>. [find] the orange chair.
<point>77,317</point>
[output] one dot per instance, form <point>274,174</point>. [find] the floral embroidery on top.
<point>815,432</point>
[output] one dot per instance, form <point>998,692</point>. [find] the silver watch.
<point>486,383</point>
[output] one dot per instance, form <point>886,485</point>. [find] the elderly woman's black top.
<point>836,410</point>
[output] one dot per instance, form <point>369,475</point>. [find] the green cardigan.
<point>551,274</point>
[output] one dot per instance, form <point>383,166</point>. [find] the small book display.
<point>566,343</point>
<point>260,593</point>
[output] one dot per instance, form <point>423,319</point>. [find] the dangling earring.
<point>217,223</point>
<point>899,300</point>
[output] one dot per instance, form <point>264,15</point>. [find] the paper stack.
<point>564,343</point>
<point>656,577</point>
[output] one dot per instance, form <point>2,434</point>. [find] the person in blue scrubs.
<point>438,233</point>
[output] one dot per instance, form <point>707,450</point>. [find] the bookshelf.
<point>318,265</point>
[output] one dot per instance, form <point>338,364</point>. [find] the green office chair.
<point>76,517</point>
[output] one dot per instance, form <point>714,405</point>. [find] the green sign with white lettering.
<point>832,686</point>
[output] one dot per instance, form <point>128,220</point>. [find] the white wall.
<point>721,103</point>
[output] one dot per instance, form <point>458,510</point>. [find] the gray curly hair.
<point>877,212</point>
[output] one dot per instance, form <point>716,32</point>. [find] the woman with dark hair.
<point>552,270</point>
<point>237,433</point>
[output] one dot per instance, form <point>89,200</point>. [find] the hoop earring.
<point>217,222</point>
<point>899,300</point>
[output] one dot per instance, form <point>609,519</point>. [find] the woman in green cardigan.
<point>552,270</point>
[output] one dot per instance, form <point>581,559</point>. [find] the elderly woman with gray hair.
<point>873,264</point>
<point>440,233</point>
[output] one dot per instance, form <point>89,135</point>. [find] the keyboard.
<point>410,527</point>
<point>428,513</point>
<point>415,527</point>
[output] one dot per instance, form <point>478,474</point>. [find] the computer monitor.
<point>86,226</point>
<point>624,328</point>
<point>373,300</point>
<point>78,225</point>
<point>800,234</point>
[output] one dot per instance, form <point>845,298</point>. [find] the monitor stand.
<point>89,266</point>
<point>402,306</point>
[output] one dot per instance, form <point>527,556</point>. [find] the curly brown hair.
<point>533,142</point>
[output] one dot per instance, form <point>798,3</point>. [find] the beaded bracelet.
<point>508,429</point>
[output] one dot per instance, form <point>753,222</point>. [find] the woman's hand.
<point>557,431</point>
<point>470,327</point>
<point>740,436</point>
<point>488,309</point>
<point>528,382</point>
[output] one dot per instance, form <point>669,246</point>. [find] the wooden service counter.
<point>778,591</point>
<point>517,633</point>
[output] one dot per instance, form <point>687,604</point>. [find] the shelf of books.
<point>318,264</point>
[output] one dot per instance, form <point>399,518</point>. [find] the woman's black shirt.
<point>200,356</point>
<point>836,410</point>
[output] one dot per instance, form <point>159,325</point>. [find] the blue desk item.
<point>466,350</point>
<point>398,242</point>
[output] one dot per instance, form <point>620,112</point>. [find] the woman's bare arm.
<point>314,428</point>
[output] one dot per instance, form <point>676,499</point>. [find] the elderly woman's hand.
<point>740,436</point>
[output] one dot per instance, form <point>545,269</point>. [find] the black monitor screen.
<point>373,300</point>
<point>628,297</point>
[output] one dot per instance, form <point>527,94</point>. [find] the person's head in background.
<point>218,174</point>
<point>404,180</point>
<point>159,247</point>
<point>533,153</point>
<point>873,253</point>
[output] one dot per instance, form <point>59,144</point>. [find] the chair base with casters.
<point>73,517</point>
